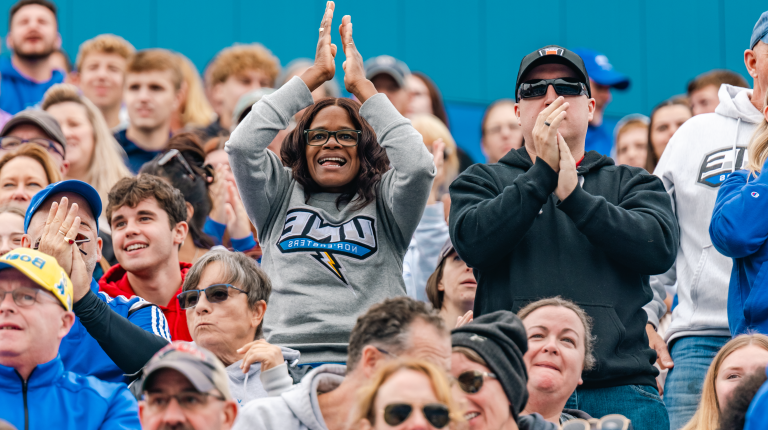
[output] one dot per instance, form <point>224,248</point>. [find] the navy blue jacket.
<point>136,156</point>
<point>18,92</point>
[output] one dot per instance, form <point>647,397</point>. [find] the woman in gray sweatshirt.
<point>336,210</point>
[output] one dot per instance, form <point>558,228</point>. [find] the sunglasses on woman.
<point>436,413</point>
<point>215,293</point>
<point>608,422</point>
<point>563,87</point>
<point>471,381</point>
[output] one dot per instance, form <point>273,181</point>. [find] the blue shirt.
<point>18,92</point>
<point>136,156</point>
<point>600,138</point>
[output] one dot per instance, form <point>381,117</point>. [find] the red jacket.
<point>115,283</point>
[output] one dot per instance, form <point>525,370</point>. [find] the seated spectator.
<point>559,350</point>
<point>11,228</point>
<point>24,172</point>
<point>35,389</point>
<point>194,110</point>
<point>632,141</point>
<point>334,182</point>
<point>488,366</point>
<point>185,387</point>
<point>93,154</point>
<point>38,127</point>
<point>424,97</point>
<point>412,394</point>
<point>395,328</point>
<point>153,92</point>
<point>737,231</point>
<point>735,412</point>
<point>739,357</point>
<point>59,60</point>
<point>451,288</point>
<point>666,118</point>
<point>28,73</point>
<point>388,75</point>
<point>233,72</point>
<point>91,347</point>
<point>702,90</point>
<point>148,219</point>
<point>225,295</point>
<point>101,66</point>
<point>500,131</point>
<point>432,129</point>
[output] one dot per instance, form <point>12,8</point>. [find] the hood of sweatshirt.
<point>592,161</point>
<point>302,399</point>
<point>735,103</point>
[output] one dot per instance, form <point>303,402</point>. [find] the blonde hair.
<point>239,58</point>
<point>196,111</point>
<point>630,125</point>
<point>707,416</point>
<point>37,153</point>
<point>106,165</point>
<point>157,59</point>
<point>431,128</point>
<point>105,44</point>
<point>758,146</point>
<point>438,379</point>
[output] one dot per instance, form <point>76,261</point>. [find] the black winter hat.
<point>500,339</point>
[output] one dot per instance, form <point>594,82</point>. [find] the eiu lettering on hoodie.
<point>18,92</point>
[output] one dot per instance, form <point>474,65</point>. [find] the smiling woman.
<point>24,172</point>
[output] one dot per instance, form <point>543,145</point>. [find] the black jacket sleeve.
<point>127,344</point>
<point>483,215</point>
<point>641,231</point>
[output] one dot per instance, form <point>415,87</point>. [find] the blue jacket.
<point>53,398</point>
<point>18,92</point>
<point>739,230</point>
<point>757,414</point>
<point>136,157</point>
<point>82,354</point>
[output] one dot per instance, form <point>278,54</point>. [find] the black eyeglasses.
<point>175,153</point>
<point>319,137</point>
<point>215,293</point>
<point>436,413</point>
<point>563,86</point>
<point>11,142</point>
<point>79,240</point>
<point>189,401</point>
<point>471,381</point>
<point>25,297</point>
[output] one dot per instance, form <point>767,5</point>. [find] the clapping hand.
<point>354,70</point>
<point>567,179</point>
<point>438,153</point>
<point>545,132</point>
<point>324,67</point>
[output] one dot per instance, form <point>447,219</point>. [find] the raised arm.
<point>738,227</point>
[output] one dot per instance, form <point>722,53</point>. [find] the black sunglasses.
<point>563,86</point>
<point>215,293</point>
<point>471,381</point>
<point>320,137</point>
<point>79,240</point>
<point>175,153</point>
<point>437,414</point>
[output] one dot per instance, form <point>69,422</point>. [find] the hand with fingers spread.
<point>438,153</point>
<point>324,67</point>
<point>567,179</point>
<point>218,192</point>
<point>259,351</point>
<point>238,224</point>
<point>545,132</point>
<point>465,319</point>
<point>354,71</point>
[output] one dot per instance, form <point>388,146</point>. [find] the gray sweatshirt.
<point>698,158</point>
<point>257,384</point>
<point>295,409</point>
<point>327,265</point>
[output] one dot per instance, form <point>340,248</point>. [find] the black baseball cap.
<point>553,54</point>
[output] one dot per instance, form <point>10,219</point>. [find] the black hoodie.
<point>596,248</point>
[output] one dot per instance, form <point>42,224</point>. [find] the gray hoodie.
<point>698,158</point>
<point>257,384</point>
<point>295,409</point>
<point>327,264</point>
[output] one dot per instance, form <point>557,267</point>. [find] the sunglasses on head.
<point>471,381</point>
<point>436,413</point>
<point>215,293</point>
<point>563,87</point>
<point>175,153</point>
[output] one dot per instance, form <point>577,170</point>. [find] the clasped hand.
<point>551,147</point>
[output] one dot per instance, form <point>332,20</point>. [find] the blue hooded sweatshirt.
<point>739,229</point>
<point>18,92</point>
<point>53,398</point>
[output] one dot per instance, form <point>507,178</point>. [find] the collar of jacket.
<point>43,375</point>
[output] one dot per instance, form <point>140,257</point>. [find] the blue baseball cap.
<point>600,69</point>
<point>760,32</point>
<point>70,186</point>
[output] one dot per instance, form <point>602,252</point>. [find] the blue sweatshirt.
<point>18,92</point>
<point>739,230</point>
<point>136,156</point>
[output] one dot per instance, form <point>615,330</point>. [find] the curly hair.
<point>373,158</point>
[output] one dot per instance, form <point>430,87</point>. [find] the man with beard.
<point>33,36</point>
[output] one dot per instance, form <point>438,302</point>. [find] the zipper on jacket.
<point>24,386</point>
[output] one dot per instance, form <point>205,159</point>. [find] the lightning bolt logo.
<point>330,263</point>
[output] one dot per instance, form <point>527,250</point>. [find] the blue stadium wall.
<point>471,49</point>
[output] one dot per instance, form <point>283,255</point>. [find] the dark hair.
<point>716,77</point>
<point>373,159</point>
<point>21,3</point>
<point>134,190</point>
<point>438,108</point>
<point>67,61</point>
<point>652,159</point>
<point>490,109</point>
<point>434,295</point>
<point>195,191</point>
<point>734,412</point>
<point>387,324</point>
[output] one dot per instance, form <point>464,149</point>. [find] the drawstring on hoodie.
<point>245,391</point>
<point>735,140</point>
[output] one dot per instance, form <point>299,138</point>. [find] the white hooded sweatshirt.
<point>698,158</point>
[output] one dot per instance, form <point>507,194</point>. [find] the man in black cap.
<point>550,220</point>
<point>38,127</point>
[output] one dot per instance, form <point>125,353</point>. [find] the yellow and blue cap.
<point>43,270</point>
